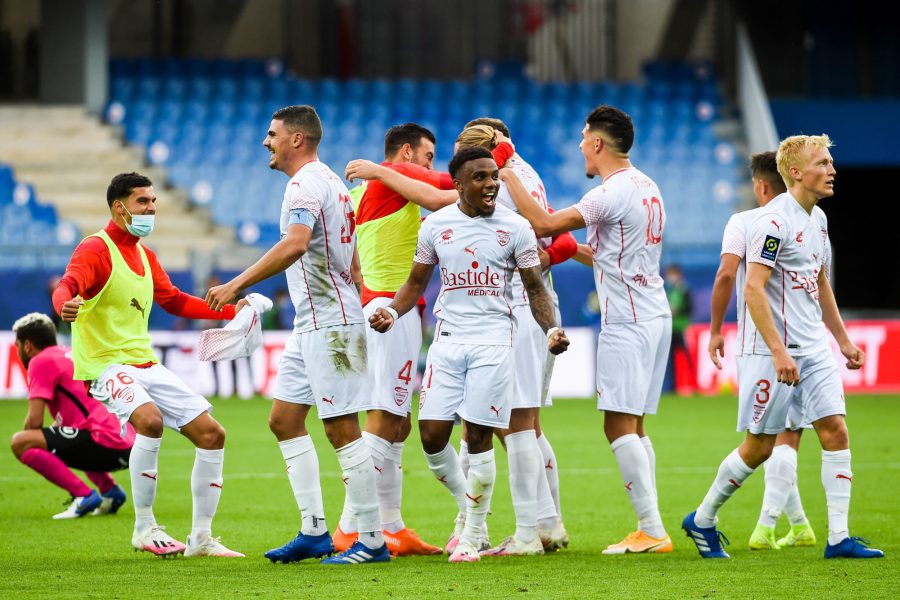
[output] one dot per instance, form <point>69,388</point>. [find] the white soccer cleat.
<point>453,540</point>
<point>554,539</point>
<point>80,506</point>
<point>513,547</point>
<point>209,546</point>
<point>156,541</point>
<point>464,552</point>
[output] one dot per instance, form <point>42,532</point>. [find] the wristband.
<point>391,312</point>
<point>551,331</point>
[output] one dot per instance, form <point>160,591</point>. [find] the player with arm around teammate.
<point>107,293</point>
<point>470,364</point>
<point>625,217</point>
<point>324,360</point>
<point>781,467</point>
<point>533,477</point>
<point>787,357</point>
<point>84,435</point>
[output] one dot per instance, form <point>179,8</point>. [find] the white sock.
<point>390,491</point>
<point>358,473</point>
<point>651,458</point>
<point>206,489</point>
<point>445,466</point>
<point>546,509</point>
<point>781,477</point>
<point>464,457</point>
<point>303,472</point>
<point>837,479</point>
<point>378,448</point>
<point>793,508</point>
<point>731,475</point>
<point>524,472</point>
<point>551,470</point>
<point>479,488</point>
<point>635,470</point>
<point>385,475</point>
<point>347,522</point>
<point>142,466</point>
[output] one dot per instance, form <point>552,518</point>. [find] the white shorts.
<point>765,406</point>
<point>325,367</point>
<point>123,388</point>
<point>474,382</point>
<point>631,365</point>
<point>393,360</point>
<point>534,363</point>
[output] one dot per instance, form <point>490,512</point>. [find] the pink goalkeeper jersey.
<point>50,379</point>
<point>625,218</point>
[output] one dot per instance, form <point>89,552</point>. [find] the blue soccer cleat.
<point>359,553</point>
<point>113,499</point>
<point>708,539</point>
<point>852,547</point>
<point>78,507</point>
<point>302,547</point>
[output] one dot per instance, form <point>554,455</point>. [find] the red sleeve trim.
<point>563,248</point>
<point>502,153</point>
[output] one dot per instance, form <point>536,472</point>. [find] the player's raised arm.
<point>417,192</point>
<point>543,223</point>
<point>283,254</point>
<point>405,299</point>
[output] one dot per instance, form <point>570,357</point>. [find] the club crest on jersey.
<point>447,234</point>
<point>770,247</point>
<point>799,237</point>
<point>502,237</point>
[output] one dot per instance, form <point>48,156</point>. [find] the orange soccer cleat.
<point>639,542</point>
<point>342,541</point>
<point>407,543</point>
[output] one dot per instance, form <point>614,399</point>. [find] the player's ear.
<point>298,138</point>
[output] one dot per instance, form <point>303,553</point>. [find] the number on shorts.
<point>124,379</point>
<point>405,374</point>
<point>430,373</point>
<point>763,395</point>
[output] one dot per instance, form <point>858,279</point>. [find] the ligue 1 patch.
<point>770,247</point>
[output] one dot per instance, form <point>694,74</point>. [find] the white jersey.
<point>320,284</point>
<point>625,217</point>
<point>795,245</point>
<point>734,241</point>
<point>534,186</point>
<point>477,257</point>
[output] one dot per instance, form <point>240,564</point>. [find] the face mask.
<point>141,225</point>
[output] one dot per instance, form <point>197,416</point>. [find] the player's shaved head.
<point>492,123</point>
<point>464,156</point>
<point>763,166</point>
<point>121,186</point>
<point>613,126</point>
<point>302,118</point>
<point>36,328</point>
<point>407,133</point>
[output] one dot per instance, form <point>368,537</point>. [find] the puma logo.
<point>628,485</point>
<point>496,410</point>
<point>472,251</point>
<point>216,485</point>
<point>152,476</point>
<point>777,226</point>
<point>442,479</point>
<point>476,499</point>
<point>138,306</point>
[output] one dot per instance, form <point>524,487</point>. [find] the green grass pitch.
<point>92,557</point>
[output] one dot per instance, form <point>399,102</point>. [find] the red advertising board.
<point>880,340</point>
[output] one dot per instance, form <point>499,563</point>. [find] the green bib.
<point>112,327</point>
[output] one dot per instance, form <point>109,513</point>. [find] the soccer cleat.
<point>302,547</point>
<point>852,547</point>
<point>799,535</point>
<point>453,540</point>
<point>343,541</point>
<point>464,552</point>
<point>80,506</point>
<point>112,501</point>
<point>209,546</point>
<point>407,543</point>
<point>359,553</point>
<point>707,539</point>
<point>554,539</point>
<point>638,542</point>
<point>763,538</point>
<point>156,541</point>
<point>513,547</point>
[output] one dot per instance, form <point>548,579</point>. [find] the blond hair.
<point>477,135</point>
<point>794,151</point>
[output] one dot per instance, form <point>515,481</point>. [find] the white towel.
<point>240,337</point>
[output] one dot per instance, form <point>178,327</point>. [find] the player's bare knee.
<point>433,439</point>
<point>19,443</point>
<point>213,438</point>
<point>149,425</point>
<point>479,438</point>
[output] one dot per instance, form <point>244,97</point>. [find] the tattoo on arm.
<point>539,298</point>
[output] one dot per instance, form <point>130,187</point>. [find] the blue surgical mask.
<point>141,225</point>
